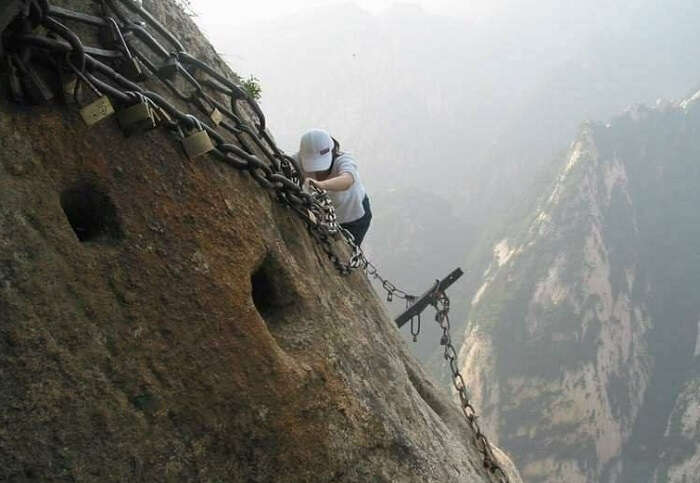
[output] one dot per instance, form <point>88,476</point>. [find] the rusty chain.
<point>276,172</point>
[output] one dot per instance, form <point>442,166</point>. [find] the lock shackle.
<point>115,28</point>
<point>82,77</point>
<point>108,89</point>
<point>140,97</point>
<point>176,126</point>
<point>197,124</point>
<point>137,96</point>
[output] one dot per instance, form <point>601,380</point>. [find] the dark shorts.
<point>359,227</point>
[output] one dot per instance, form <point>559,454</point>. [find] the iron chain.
<point>441,303</point>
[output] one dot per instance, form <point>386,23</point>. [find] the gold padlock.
<point>197,143</point>
<point>216,116</point>
<point>99,109</point>
<point>138,117</point>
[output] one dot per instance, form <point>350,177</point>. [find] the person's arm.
<point>339,183</point>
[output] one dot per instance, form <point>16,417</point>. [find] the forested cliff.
<point>582,345</point>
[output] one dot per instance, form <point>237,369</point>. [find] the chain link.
<point>276,172</point>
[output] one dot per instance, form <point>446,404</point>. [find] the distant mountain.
<point>583,346</point>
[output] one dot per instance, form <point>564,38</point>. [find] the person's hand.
<point>310,183</point>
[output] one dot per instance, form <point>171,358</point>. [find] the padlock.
<point>216,116</point>
<point>137,118</point>
<point>99,109</point>
<point>169,68</point>
<point>197,142</point>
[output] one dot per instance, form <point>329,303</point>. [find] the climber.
<point>327,167</point>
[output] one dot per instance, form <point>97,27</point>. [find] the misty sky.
<point>215,13</point>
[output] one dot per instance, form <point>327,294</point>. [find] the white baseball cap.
<point>316,150</point>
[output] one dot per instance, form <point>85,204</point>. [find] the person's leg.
<point>354,230</point>
<point>359,228</point>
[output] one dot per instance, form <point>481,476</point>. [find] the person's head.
<point>317,150</point>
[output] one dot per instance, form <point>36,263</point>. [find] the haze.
<point>215,14</point>
<point>455,110</point>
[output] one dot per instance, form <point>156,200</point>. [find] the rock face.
<point>684,430</point>
<point>582,345</point>
<point>163,319</point>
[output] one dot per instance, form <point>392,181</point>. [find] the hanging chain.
<point>276,172</point>
<point>441,303</point>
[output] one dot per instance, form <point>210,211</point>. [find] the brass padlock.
<point>99,109</point>
<point>216,116</point>
<point>197,142</point>
<point>137,118</point>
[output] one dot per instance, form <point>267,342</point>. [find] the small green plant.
<point>252,87</point>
